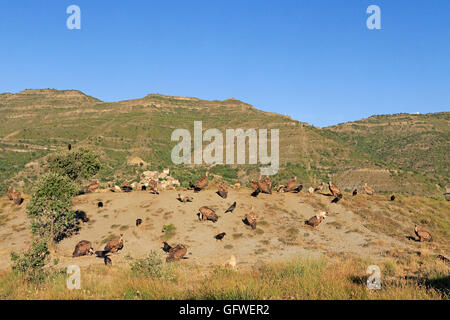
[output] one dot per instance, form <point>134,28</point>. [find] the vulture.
<point>114,245</point>
<point>368,190</point>
<point>355,192</point>
<point>107,261</point>
<point>220,236</point>
<point>15,196</point>
<point>200,183</point>
<point>231,208</point>
<point>185,199</point>
<point>254,185</point>
<point>125,187</point>
<point>176,253</point>
<point>392,198</point>
<point>138,222</point>
<point>100,204</point>
<point>69,146</point>
<point>83,248</point>
<point>223,190</point>
<point>268,182</point>
<point>317,219</point>
<point>92,187</point>
<point>264,187</point>
<point>291,185</point>
<point>334,190</point>
<point>153,186</point>
<point>208,214</point>
<point>251,219</point>
<point>422,234</point>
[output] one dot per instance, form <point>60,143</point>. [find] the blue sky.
<point>314,60</point>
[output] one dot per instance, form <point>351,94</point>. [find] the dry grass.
<point>326,278</point>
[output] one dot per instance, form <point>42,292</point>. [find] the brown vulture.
<point>368,190</point>
<point>15,196</point>
<point>316,220</point>
<point>153,186</point>
<point>208,214</point>
<point>334,190</point>
<point>223,190</point>
<point>83,248</point>
<point>422,234</point>
<point>291,185</point>
<point>264,187</point>
<point>177,253</point>
<point>268,182</point>
<point>114,245</point>
<point>251,219</point>
<point>200,183</point>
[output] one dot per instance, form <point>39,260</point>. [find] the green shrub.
<point>50,207</point>
<point>152,266</point>
<point>76,164</point>
<point>30,264</point>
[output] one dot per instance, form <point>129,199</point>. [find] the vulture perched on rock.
<point>422,234</point>
<point>368,190</point>
<point>83,248</point>
<point>200,184</point>
<point>176,253</point>
<point>334,190</point>
<point>153,186</point>
<point>92,187</point>
<point>316,220</point>
<point>251,219</point>
<point>223,190</point>
<point>114,245</point>
<point>185,199</point>
<point>208,214</point>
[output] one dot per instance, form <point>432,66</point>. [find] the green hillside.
<point>37,122</point>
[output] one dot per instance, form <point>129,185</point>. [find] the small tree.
<point>76,164</point>
<point>32,261</point>
<point>51,207</point>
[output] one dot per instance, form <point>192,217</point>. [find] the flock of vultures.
<point>205,213</point>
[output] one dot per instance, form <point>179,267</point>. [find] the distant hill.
<point>400,153</point>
